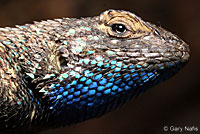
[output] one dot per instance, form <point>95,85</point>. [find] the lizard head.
<point>107,59</point>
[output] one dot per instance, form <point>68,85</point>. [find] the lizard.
<point>60,72</point>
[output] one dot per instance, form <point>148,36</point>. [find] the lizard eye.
<point>118,24</point>
<point>119,28</point>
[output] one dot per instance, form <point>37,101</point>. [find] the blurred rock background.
<point>176,102</point>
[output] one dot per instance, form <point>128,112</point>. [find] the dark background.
<point>175,102</point>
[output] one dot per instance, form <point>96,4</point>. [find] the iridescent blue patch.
<point>98,77</point>
<point>119,90</point>
<point>135,74</point>
<point>67,86</point>
<point>64,100</point>
<point>113,93</point>
<point>83,79</point>
<point>53,98</point>
<point>149,74</point>
<point>79,86</point>
<point>59,96</point>
<point>136,78</point>
<point>93,85</point>
<point>93,62</point>
<point>153,75</point>
<point>52,86</point>
<point>106,60</point>
<point>89,81</point>
<point>111,80</point>
<point>74,82</point>
<point>110,75</point>
<point>117,75</point>
<point>113,62</point>
<point>77,76</point>
<point>142,74</point>
<point>126,76</point>
<point>100,64</point>
<point>117,70</point>
<point>109,85</point>
<point>107,65</point>
<point>87,71</point>
<point>76,99</point>
<point>90,98</point>
<point>84,90</point>
<point>90,104</point>
<point>132,71</point>
<point>107,91</point>
<point>86,61</point>
<point>130,83</point>
<point>61,89</point>
<point>103,81</point>
<point>77,93</point>
<point>129,78</point>
<point>125,66</point>
<point>114,87</point>
<point>69,102</point>
<point>144,78</point>
<point>65,93</point>
<point>91,92</point>
<point>127,87</point>
<point>112,67</point>
<point>57,85</point>
<point>71,90</point>
<point>70,96</point>
<point>119,64</point>
<point>118,81</point>
<point>131,66</point>
<point>122,84</point>
<point>138,66</point>
<point>98,69</point>
<point>100,88</point>
<point>99,94</point>
<point>89,74</point>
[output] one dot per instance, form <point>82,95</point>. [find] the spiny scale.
<point>63,71</point>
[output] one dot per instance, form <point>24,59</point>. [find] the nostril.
<point>185,56</point>
<point>178,54</point>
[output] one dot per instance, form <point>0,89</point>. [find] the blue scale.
<point>107,91</point>
<point>103,81</point>
<point>100,88</point>
<point>83,79</point>
<point>89,81</point>
<point>91,92</point>
<point>98,77</point>
<point>93,85</point>
<point>84,89</point>
<point>79,86</point>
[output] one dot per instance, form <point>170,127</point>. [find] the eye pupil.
<point>120,28</point>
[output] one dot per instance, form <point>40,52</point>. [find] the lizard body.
<point>59,72</point>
